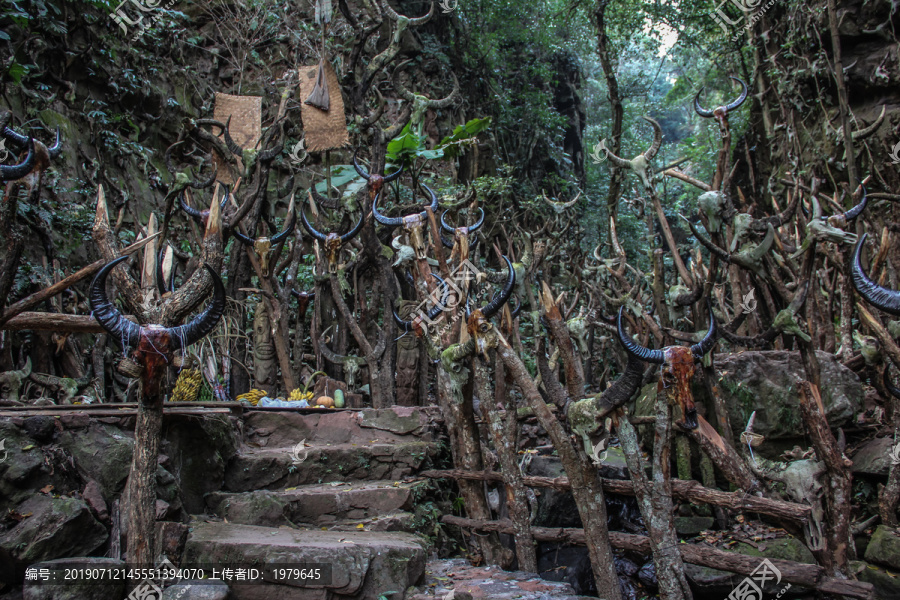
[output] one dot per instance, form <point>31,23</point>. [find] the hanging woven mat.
<point>245,127</point>
<point>323,130</point>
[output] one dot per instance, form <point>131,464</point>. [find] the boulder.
<point>21,461</point>
<point>884,547</point>
<point>102,453</point>
<point>691,526</point>
<point>199,453</point>
<point>41,428</point>
<point>83,588</point>
<point>873,457</point>
<point>765,382</point>
<point>56,528</point>
<point>887,585</point>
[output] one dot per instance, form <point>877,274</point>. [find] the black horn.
<point>857,210</point>
<point>204,323</point>
<point>634,349</point>
<point>880,297</point>
<point>121,329</point>
<point>740,99</point>
<point>56,149</point>
<point>292,221</point>
<point>709,340</point>
<point>13,172</point>
<point>500,299</point>
<point>390,221</point>
<point>433,312</point>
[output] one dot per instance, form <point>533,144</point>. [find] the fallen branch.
<point>41,321</point>
<point>811,576</point>
<point>691,491</point>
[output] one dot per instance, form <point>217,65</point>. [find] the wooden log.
<point>34,299</point>
<point>690,491</point>
<point>723,456</point>
<point>811,576</point>
<point>42,321</point>
<point>838,482</point>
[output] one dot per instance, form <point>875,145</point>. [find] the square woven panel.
<point>245,127</point>
<point>323,130</point>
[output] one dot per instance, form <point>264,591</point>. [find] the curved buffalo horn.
<point>204,323</point>
<point>247,241</point>
<point>497,302</point>
<point>413,21</point>
<point>329,354</point>
<point>200,185</point>
<point>709,340</point>
<point>518,308</point>
<point>857,210</point>
<point>56,149</point>
<point>193,212</point>
<point>657,138</point>
<point>404,92</point>
<point>126,332</point>
<point>728,107</point>
<point>635,349</point>
<point>309,228</point>
<point>390,221</point>
<point>292,222</point>
<point>229,141</point>
<point>433,312</point>
<point>346,237</point>
<point>434,201</point>
<point>362,172</point>
<point>471,229</point>
<point>15,137</point>
<point>13,172</point>
<point>880,297</point>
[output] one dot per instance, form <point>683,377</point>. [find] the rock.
<point>41,428</point>
<point>198,455</point>
<point>75,420</point>
<point>763,381</point>
<point>82,589</point>
<point>887,585</point>
<point>571,564</point>
<point>93,495</point>
<point>363,564</point>
<point>402,420</point>
<point>691,526</point>
<point>873,457</point>
<point>884,547</point>
<point>196,590</point>
<point>170,539</point>
<point>57,528</point>
<point>19,466</point>
<point>103,452</point>
<point>555,508</point>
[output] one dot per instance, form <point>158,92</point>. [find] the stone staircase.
<point>326,488</point>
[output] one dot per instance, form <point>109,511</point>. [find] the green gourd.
<point>339,398</point>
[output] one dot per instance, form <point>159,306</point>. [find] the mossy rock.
<point>886,582</point>
<point>884,547</point>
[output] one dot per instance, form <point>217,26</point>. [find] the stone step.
<point>363,564</point>
<point>269,428</point>
<point>283,467</point>
<point>318,504</point>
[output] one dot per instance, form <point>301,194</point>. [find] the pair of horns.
<point>364,174</point>
<point>13,172</point>
<point>22,141</point>
<point>346,237</point>
<point>658,356</point>
<point>472,229</point>
<point>433,312</point>
<point>497,302</point>
<point>198,215</point>
<point>129,333</point>
<point>394,221</point>
<point>728,107</point>
<point>277,239</point>
<point>650,153</point>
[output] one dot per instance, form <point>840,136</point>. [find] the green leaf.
<point>454,145</point>
<point>340,175</point>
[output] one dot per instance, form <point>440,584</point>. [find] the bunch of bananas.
<point>253,396</point>
<point>300,395</point>
<point>188,385</point>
